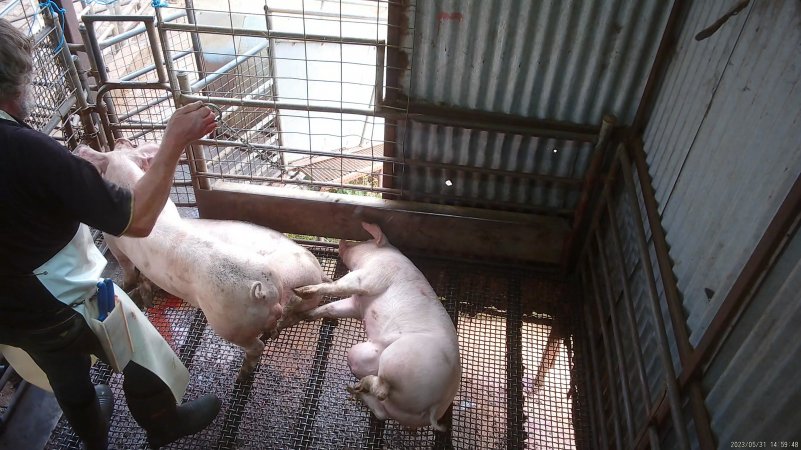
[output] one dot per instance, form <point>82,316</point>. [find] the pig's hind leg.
<point>372,391</point>
<point>363,359</point>
<point>340,309</point>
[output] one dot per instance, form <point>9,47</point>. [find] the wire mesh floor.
<point>297,398</point>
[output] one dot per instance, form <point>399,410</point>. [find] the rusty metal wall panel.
<point>518,155</point>
<point>723,144</point>
<point>755,374</point>
<point>570,61</point>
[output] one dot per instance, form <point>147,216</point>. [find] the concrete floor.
<point>34,418</point>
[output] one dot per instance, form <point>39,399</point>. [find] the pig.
<point>292,264</point>
<point>238,293</point>
<point>409,369</point>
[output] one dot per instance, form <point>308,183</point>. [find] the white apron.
<point>126,335</point>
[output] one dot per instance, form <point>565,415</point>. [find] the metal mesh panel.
<point>313,80</point>
<point>296,398</point>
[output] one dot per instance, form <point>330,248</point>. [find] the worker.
<point>49,265</point>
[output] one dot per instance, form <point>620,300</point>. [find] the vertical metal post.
<point>271,61</point>
<point>154,46</point>
<point>596,368</point>
<point>168,60</point>
<point>632,322</point>
<point>610,372</point>
<point>99,69</point>
<point>88,117</point>
<point>194,152</point>
<point>616,340</point>
<point>677,319</point>
<point>196,45</point>
<point>673,394</point>
<point>590,388</point>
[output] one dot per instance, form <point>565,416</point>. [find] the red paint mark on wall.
<point>442,16</point>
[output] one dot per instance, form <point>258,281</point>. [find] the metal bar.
<point>659,67</point>
<point>613,397</point>
<point>222,71</point>
<point>396,19</point>
<point>271,62</point>
<point>480,120</point>
<point>596,426</point>
<point>194,153</point>
<point>196,44</point>
<point>588,190</point>
<point>596,215</point>
<point>151,67</point>
<point>275,105</point>
<point>632,322</point>
<point>673,394</point>
<point>121,37</point>
<point>157,59</point>
<point>571,183</point>
<point>515,434</point>
<point>617,341</point>
<point>168,57</point>
<point>674,303</point>
<point>596,370</point>
<point>99,69</point>
<point>252,32</point>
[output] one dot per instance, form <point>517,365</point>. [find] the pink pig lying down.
<point>409,369</point>
<point>240,290</point>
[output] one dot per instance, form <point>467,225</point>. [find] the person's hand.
<point>189,123</point>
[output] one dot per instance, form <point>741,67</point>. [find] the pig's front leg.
<point>351,284</point>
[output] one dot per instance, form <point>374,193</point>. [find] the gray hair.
<point>16,61</point>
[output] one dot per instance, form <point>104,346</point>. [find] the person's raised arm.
<point>150,193</point>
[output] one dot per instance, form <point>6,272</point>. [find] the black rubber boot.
<point>165,422</point>
<point>91,422</point>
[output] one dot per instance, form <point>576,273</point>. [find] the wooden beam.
<point>437,230</point>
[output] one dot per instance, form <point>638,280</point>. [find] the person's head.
<point>15,70</point>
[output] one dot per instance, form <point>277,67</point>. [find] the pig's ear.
<point>375,232</point>
<point>146,154</point>
<point>99,160</point>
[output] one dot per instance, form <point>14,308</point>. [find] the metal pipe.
<point>197,46</point>
<point>617,341</point>
<point>253,32</point>
<point>99,69</point>
<point>662,342</point>
<point>610,372</point>
<point>589,182</point>
<point>168,57</point>
<point>222,71</point>
<point>596,370</point>
<point>151,67</point>
<point>194,153</point>
<point>157,59</point>
<point>674,303</point>
<point>632,322</point>
<point>274,89</point>
<point>589,389</point>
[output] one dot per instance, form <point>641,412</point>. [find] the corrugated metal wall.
<point>724,143</point>
<point>752,384</point>
<point>567,61</point>
<point>723,146</point>
<point>570,61</point>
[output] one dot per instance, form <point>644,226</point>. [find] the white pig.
<point>237,292</point>
<point>293,265</point>
<point>409,368</point>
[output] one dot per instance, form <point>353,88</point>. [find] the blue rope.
<point>159,3</point>
<point>55,10</point>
